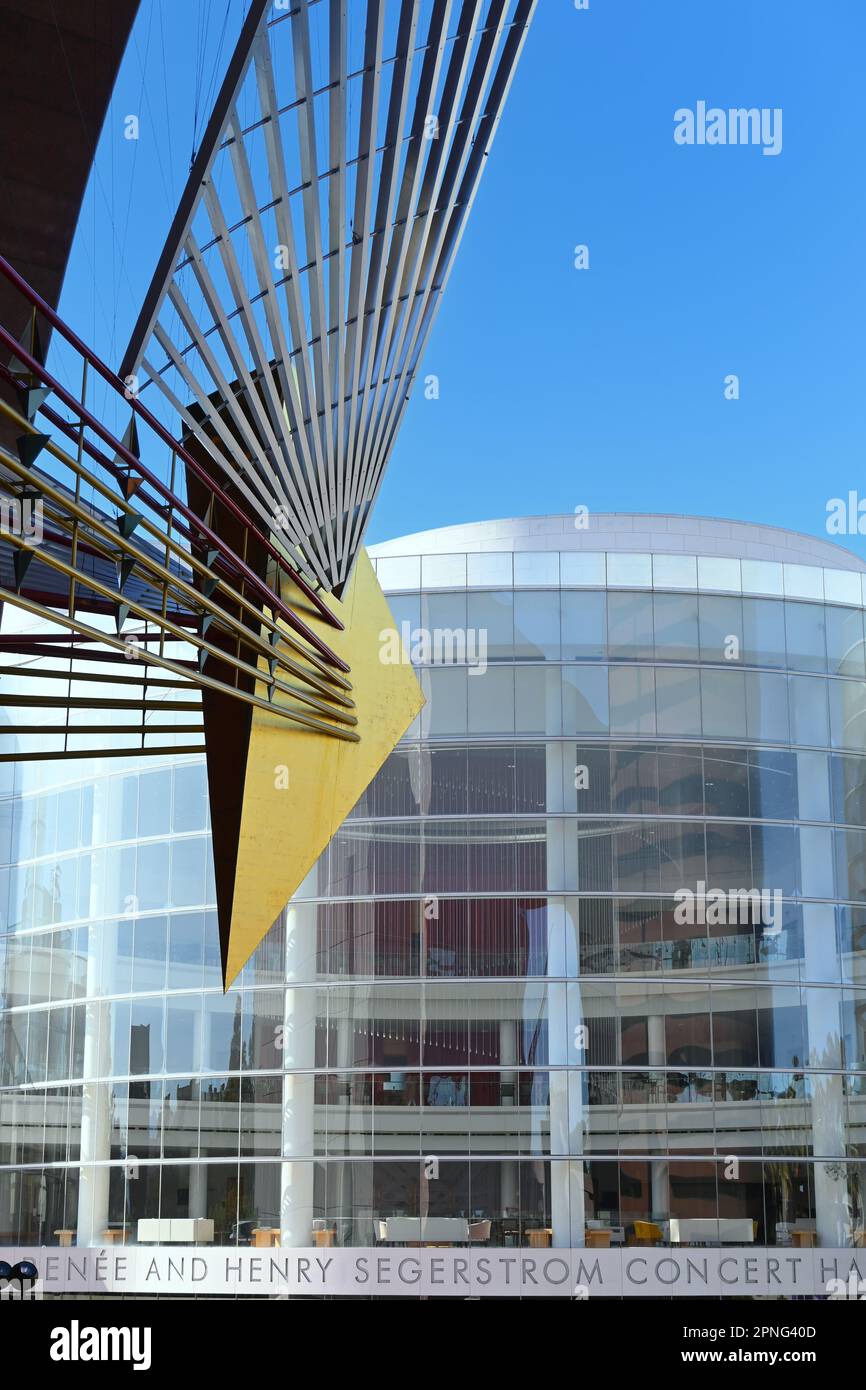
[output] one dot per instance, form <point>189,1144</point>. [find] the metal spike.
<point>127,522</point>
<point>30,446</point>
<point>125,569</point>
<point>21,562</point>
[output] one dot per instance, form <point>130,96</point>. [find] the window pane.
<point>773,785</point>
<point>188,871</point>
<point>681,790</point>
<point>152,877</point>
<point>190,797</point>
<point>634,781</point>
<point>584,626</point>
<point>537,700</point>
<point>584,700</point>
<point>493,614</point>
<point>767,706</point>
<point>632,700</point>
<point>726,782</point>
<point>849,789</point>
<point>396,790</point>
<point>596,794</point>
<point>154,806</point>
<point>146,1050</point>
<point>845,652</point>
<point>807,699</point>
<point>536,625</point>
<point>676,627</point>
<point>678,701</point>
<point>720,619</point>
<point>763,632</point>
<point>445,711</point>
<point>491,701</point>
<point>447,782</point>
<point>723,700</point>
<point>804,628</point>
<point>491,781</point>
<point>847,713</point>
<point>630,625</point>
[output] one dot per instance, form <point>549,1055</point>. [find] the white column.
<point>93,1184</point>
<point>508,1171</point>
<point>299,1051</point>
<point>197,1189</point>
<point>828,1102</point>
<point>95,1105</point>
<point>564,1013</point>
<point>660,1196</point>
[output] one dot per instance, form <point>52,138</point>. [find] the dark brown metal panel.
<point>58,63</point>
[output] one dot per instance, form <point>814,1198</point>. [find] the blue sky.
<point>602,387</point>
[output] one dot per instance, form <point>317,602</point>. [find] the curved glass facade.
<point>583,966</point>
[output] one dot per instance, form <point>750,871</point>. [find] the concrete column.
<point>828,1102</point>
<point>660,1195</point>
<point>509,1187</point>
<point>564,1012</point>
<point>93,1185</point>
<point>299,1051</point>
<point>197,1189</point>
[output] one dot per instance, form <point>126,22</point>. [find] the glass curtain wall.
<point>585,965</point>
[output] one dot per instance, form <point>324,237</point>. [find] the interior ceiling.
<point>58,63</point>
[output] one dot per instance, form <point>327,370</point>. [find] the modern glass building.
<point>585,965</point>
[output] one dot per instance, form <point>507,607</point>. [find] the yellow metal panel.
<point>285,828</point>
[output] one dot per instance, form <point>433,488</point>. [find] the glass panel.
<point>154,804</point>
<point>848,775</point>
<point>491,701</point>
<point>443,618</point>
<point>536,567</point>
<point>723,701</point>
<point>845,649</point>
<point>446,709</point>
<point>767,707</point>
<point>491,780</point>
<point>493,571</point>
<point>808,708</point>
<point>536,626</point>
<point>190,797</point>
<point>447,780</point>
<point>720,619</point>
<point>399,572</point>
<point>585,700</point>
<point>676,627</point>
<point>805,636</point>
<point>678,701</point>
<point>763,632</point>
<point>773,785</point>
<point>588,568</point>
<point>584,626</point>
<point>632,700</point>
<point>675,571</point>
<point>630,626</point>
<point>443,571</point>
<point>493,614</point>
<point>537,700</point>
<point>847,713</point>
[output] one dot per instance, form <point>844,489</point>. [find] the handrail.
<point>12,275</point>
<point>271,599</point>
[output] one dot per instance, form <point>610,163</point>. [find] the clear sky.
<point>606,386</point>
